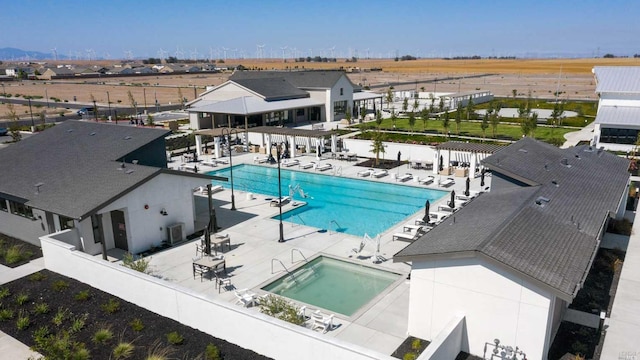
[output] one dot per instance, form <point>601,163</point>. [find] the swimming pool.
<point>336,203</point>
<point>335,285</point>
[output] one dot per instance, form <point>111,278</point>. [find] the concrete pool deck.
<point>381,325</point>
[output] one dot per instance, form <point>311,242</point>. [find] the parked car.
<point>85,111</point>
<point>4,131</point>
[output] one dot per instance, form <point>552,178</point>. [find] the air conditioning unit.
<point>175,233</point>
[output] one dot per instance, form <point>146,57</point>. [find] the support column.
<point>199,145</point>
<point>334,143</point>
<point>472,165</point>
<point>436,161</point>
<point>216,147</point>
<point>268,144</point>
<point>292,149</point>
<point>308,149</point>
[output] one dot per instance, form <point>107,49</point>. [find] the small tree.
<point>485,124</point>
<point>514,92</point>
<point>459,111</point>
<point>182,99</point>
<point>150,120</point>
<point>416,105</point>
<point>412,120</point>
<point>389,98</point>
<point>378,118</point>
<point>363,112</point>
<point>14,129</point>
<point>347,115</point>
<point>405,105</point>
<point>393,117</point>
<point>377,146</point>
<point>533,123</point>
<point>424,115</point>
<point>132,101</point>
<point>445,123</point>
<point>441,105</point>
<point>495,121</point>
<point>470,106</point>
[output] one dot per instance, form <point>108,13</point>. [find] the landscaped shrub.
<point>103,335</point>
<point>16,254</point>
<point>78,323</point>
<point>22,298</point>
<point>282,309</point>
<point>160,352</point>
<point>60,285</point>
<point>136,325</point>
<point>4,292</point>
<point>6,314</point>
<point>123,350</point>
<point>111,306</point>
<point>60,316</point>
<point>37,276</point>
<point>23,320</point>
<point>41,308</point>
<point>140,264</point>
<point>83,295</point>
<point>174,338</point>
<point>212,353</point>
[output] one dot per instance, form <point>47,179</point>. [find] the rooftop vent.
<point>127,137</point>
<point>588,149</point>
<point>93,133</point>
<point>38,187</point>
<point>546,167</point>
<point>555,183</point>
<point>69,130</point>
<point>134,162</point>
<point>577,156</point>
<point>523,150</point>
<point>565,162</point>
<point>129,171</point>
<point>542,201</point>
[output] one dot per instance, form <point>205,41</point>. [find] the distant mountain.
<point>13,54</point>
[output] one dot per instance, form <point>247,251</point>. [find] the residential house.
<point>108,182</point>
<point>513,259</point>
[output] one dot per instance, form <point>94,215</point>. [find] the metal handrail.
<point>333,222</point>
<point>301,254</point>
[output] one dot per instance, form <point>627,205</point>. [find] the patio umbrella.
<point>399,154</point>
<point>466,188</point>
<point>482,177</point>
<point>452,202</point>
<point>427,204</point>
<point>440,163</point>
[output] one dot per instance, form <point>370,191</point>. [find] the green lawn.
<point>470,128</point>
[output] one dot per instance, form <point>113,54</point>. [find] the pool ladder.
<point>333,222</point>
<point>285,269</point>
<point>301,254</point>
<point>301,220</point>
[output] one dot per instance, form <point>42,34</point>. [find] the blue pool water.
<point>335,203</point>
<point>334,285</point>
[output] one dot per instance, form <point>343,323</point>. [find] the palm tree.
<point>377,146</point>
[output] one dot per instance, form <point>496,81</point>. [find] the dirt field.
<point>540,77</point>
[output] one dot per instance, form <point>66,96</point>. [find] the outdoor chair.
<point>322,322</point>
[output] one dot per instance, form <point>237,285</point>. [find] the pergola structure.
<point>289,135</point>
<point>462,152</point>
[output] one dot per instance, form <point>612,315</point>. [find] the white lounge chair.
<point>308,165</point>
<point>209,163</point>
<point>365,173</point>
<point>411,227</point>
<point>290,162</point>
<point>380,173</point>
<point>245,298</point>
<point>260,160</point>
<point>222,161</point>
<point>447,182</point>
<point>324,167</point>
<point>409,237</point>
<point>322,322</point>
<point>405,177</point>
<point>426,181</point>
<point>280,202</point>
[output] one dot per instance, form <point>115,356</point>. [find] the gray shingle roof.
<point>553,241</point>
<point>310,79</point>
<point>472,147</point>
<point>273,89</point>
<point>617,79</point>
<point>75,163</point>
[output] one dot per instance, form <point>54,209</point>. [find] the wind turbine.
<point>333,53</point>
<point>55,54</point>
<point>162,53</point>
<point>260,52</point>
<point>210,54</point>
<point>224,50</point>
<point>88,54</point>
<point>194,55</point>
<point>283,50</point>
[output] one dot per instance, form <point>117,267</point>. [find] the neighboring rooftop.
<point>46,173</point>
<point>571,191</point>
<point>618,115</point>
<point>617,79</point>
<point>309,79</point>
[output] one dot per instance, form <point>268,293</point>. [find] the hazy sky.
<point>375,28</point>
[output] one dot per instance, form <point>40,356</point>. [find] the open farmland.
<point>539,77</point>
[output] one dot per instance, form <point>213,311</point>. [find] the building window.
<point>3,205</point>
<point>340,107</point>
<point>341,91</point>
<point>65,222</point>
<point>21,209</point>
<point>618,136</point>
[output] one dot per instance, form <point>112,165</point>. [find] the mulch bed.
<point>599,288</point>
<point>382,164</point>
<point>60,292</point>
<point>28,251</point>
<point>575,339</point>
<point>407,347</point>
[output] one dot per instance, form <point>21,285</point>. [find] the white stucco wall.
<point>495,304</point>
<point>616,99</point>
<point>23,228</point>
<point>147,227</point>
